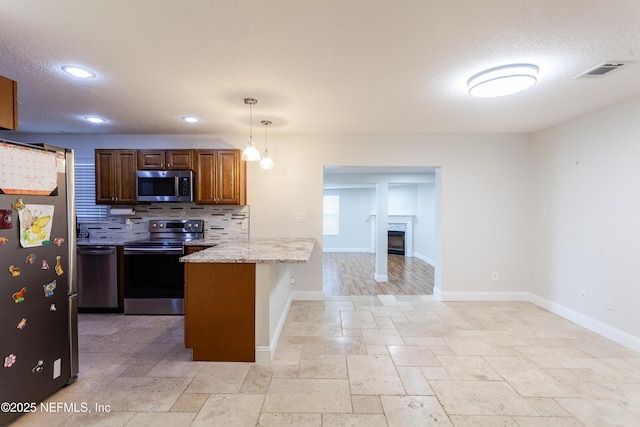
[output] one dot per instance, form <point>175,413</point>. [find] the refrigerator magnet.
<point>9,360</point>
<point>35,224</point>
<point>18,205</point>
<point>58,266</point>
<point>3,241</point>
<point>6,218</point>
<point>19,296</point>
<point>58,241</point>
<point>52,307</point>
<point>45,264</point>
<point>22,323</point>
<point>30,259</point>
<point>39,367</point>
<point>49,288</point>
<point>15,271</point>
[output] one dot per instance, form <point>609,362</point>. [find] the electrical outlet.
<point>292,281</point>
<point>245,224</point>
<point>584,295</point>
<point>610,304</point>
<point>494,275</point>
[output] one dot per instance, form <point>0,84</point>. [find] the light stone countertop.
<point>206,241</point>
<point>256,251</point>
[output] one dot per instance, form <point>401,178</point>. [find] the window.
<point>85,186</point>
<point>331,214</point>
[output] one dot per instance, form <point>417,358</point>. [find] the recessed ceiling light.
<point>94,119</point>
<point>503,80</point>
<point>78,72</point>
<point>190,119</point>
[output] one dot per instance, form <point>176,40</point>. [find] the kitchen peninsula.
<point>237,295</point>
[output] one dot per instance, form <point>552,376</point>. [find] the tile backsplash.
<point>220,222</point>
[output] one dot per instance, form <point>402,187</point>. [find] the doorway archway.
<point>356,241</point>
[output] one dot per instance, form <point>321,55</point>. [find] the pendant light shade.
<point>250,153</point>
<point>266,163</point>
<point>503,80</point>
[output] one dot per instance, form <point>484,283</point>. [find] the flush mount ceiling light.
<point>503,80</point>
<point>251,153</point>
<point>190,119</point>
<point>94,119</point>
<point>266,163</point>
<point>78,72</point>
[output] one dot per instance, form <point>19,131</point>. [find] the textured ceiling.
<point>355,66</point>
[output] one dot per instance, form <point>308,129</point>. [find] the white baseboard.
<point>265,354</point>
<point>366,250</point>
<point>421,257</point>
<point>594,325</point>
<point>437,293</point>
<point>484,296</point>
<point>616,335</point>
<point>307,296</point>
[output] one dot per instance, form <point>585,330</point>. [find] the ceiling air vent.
<point>602,69</point>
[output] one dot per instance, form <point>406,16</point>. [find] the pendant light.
<point>251,153</point>
<point>266,163</point>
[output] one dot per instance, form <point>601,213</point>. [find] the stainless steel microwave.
<point>164,186</point>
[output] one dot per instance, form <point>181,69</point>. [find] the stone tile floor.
<point>360,361</point>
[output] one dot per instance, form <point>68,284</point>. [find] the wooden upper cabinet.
<point>8,104</point>
<point>205,176</point>
<point>115,176</point>
<point>230,178</point>
<point>165,159</point>
<point>220,177</point>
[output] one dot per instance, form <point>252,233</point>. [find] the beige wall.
<point>586,210</point>
<point>485,199</point>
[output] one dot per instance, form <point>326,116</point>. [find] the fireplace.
<point>396,242</point>
<point>403,223</point>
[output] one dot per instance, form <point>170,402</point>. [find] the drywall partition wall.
<point>586,220</point>
<point>355,228</point>
<point>485,206</point>
<point>403,199</point>
<point>425,227</point>
<point>485,201</point>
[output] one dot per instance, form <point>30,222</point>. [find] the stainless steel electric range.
<point>153,274</point>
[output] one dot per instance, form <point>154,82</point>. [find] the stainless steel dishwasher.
<point>97,277</point>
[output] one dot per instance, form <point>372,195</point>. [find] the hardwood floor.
<point>351,273</point>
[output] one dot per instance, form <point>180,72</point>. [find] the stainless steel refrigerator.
<point>38,300</point>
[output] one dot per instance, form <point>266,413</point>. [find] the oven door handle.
<point>151,250</point>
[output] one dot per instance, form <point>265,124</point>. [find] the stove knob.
<point>195,225</point>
